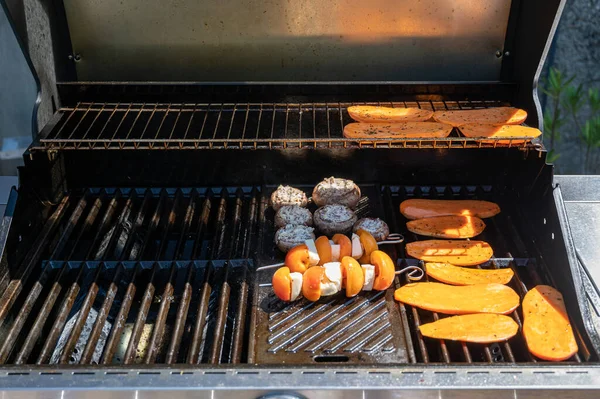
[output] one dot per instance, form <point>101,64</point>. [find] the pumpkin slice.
<point>450,274</point>
<point>391,131</point>
<point>447,226</point>
<point>459,253</point>
<point>477,130</point>
<point>426,208</point>
<point>546,326</point>
<point>372,114</point>
<point>489,116</point>
<point>451,299</point>
<point>477,328</point>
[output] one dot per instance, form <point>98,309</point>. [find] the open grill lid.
<point>347,42</point>
<point>235,40</point>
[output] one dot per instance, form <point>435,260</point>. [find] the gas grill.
<point>131,245</point>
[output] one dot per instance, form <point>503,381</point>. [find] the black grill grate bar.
<point>84,312</point>
<point>82,316</point>
<point>52,296</point>
<point>239,326</point>
<point>150,288</point>
<point>234,125</point>
<point>167,296</point>
<point>72,293</point>
<point>111,293</point>
<point>393,219</point>
<point>184,304</point>
<point>224,299</point>
<point>36,290</point>
<point>196,346</point>
<point>119,324</point>
<point>16,285</point>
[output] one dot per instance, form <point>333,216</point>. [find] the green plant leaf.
<point>552,156</point>
<point>573,99</point>
<point>594,100</point>
<point>552,123</point>
<point>555,83</point>
<point>591,133</point>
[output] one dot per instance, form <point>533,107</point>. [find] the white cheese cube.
<point>369,272</point>
<point>296,285</point>
<point>313,254</point>
<point>335,252</point>
<point>357,249</point>
<point>333,272</point>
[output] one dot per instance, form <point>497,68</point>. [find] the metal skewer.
<point>414,273</point>
<point>394,238</point>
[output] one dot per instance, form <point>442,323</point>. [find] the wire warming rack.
<point>118,126</point>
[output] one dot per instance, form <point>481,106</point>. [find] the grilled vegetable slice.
<point>403,130</point>
<point>459,253</point>
<point>490,116</point>
<point>447,226</point>
<point>311,283</point>
<point>298,259</point>
<point>369,244</point>
<point>344,243</point>
<point>478,328</point>
<point>353,278</point>
<point>450,274</point>
<point>282,284</point>
<point>477,130</point>
<point>450,299</point>
<point>372,114</point>
<point>384,270</point>
<point>324,248</point>
<point>546,326</point>
<point>425,208</point>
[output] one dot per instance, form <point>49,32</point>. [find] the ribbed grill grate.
<point>118,126</point>
<point>166,276</point>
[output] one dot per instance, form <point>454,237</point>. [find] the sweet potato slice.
<point>510,132</point>
<point>426,208</point>
<point>490,116</point>
<point>450,274</point>
<point>402,130</point>
<point>546,326</point>
<point>459,253</point>
<point>452,299</point>
<point>372,114</point>
<point>447,226</point>
<point>478,328</point>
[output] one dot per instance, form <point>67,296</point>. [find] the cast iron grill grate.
<point>111,279</point>
<point>118,126</point>
<point>165,276</point>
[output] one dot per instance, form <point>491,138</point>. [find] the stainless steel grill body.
<point>131,244</point>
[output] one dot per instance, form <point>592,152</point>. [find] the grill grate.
<point>120,286</point>
<point>118,126</point>
<point>165,276</point>
<point>504,238</point>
